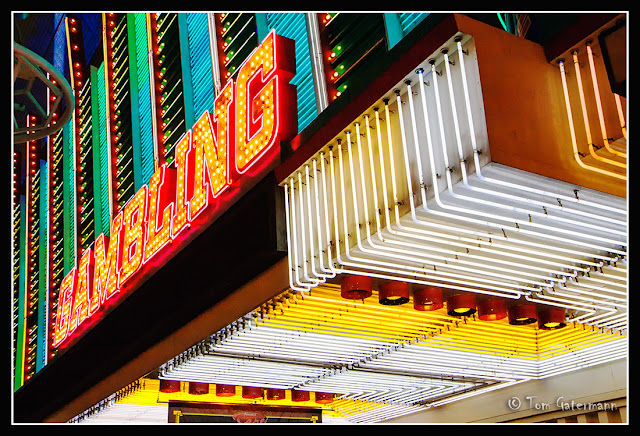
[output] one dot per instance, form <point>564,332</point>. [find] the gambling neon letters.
<point>223,149</point>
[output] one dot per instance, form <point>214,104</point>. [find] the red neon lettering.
<point>180,217</point>
<point>84,284</point>
<point>106,266</point>
<point>248,118</point>
<point>162,188</point>
<point>65,299</point>
<point>261,81</point>
<point>212,152</point>
<point>134,225</point>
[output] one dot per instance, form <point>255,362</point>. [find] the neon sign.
<point>219,159</point>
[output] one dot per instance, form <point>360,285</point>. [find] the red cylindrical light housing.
<point>251,392</point>
<point>225,390</point>
<point>429,298</point>
<point>168,386</point>
<point>492,309</point>
<point>461,305</point>
<point>276,394</point>
<point>522,314</point>
<point>198,388</point>
<point>394,293</point>
<point>356,287</point>
<point>297,395</point>
<point>324,397</point>
<point>551,319</point>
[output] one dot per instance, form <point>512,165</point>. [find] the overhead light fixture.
<point>275,394</point>
<point>324,397</point>
<point>251,392</point>
<point>522,314</point>
<point>461,305</point>
<point>492,309</point>
<point>297,395</point>
<point>169,386</point>
<point>356,287</point>
<point>551,319</point>
<point>198,388</point>
<point>225,390</point>
<point>429,298</point>
<point>394,293</point>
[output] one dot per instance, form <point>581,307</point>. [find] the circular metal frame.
<point>30,66</point>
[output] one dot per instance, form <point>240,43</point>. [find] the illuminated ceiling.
<point>408,192</point>
<point>380,361</point>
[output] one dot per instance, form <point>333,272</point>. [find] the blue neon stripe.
<point>293,26</point>
<point>200,63</point>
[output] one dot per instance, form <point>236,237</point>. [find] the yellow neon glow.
<point>605,137</point>
<point>592,150</point>
<point>623,123</point>
<point>574,143</point>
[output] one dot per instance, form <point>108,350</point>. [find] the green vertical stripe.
<point>133,92</point>
<point>41,349</point>
<point>19,369</point>
<point>100,151</point>
<point>95,126</point>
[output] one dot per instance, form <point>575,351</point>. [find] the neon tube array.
<point>408,192</point>
<point>606,155</point>
<point>384,361</point>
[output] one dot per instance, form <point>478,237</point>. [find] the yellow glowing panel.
<point>149,395</point>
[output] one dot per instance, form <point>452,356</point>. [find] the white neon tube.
<point>518,223</point>
<point>596,90</point>
<point>425,251</point>
<point>409,254</point>
<point>397,250</point>
<point>565,198</point>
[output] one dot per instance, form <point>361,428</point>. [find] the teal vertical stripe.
<point>293,26</point>
<point>262,26</point>
<point>393,26</point>
<point>68,197</point>
<point>398,25</point>
<point>43,316</point>
<point>187,86</point>
<point>147,165</point>
<point>200,63</point>
<point>410,20</point>
<point>100,152</point>
<point>134,98</point>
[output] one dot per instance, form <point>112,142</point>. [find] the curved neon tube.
<point>623,123</point>
<point>409,255</point>
<point>565,198</point>
<point>415,232</point>
<point>440,202</point>
<point>576,153</point>
<point>583,105</point>
<point>544,205</point>
<point>596,90</point>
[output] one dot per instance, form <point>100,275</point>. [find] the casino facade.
<point>319,217</point>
